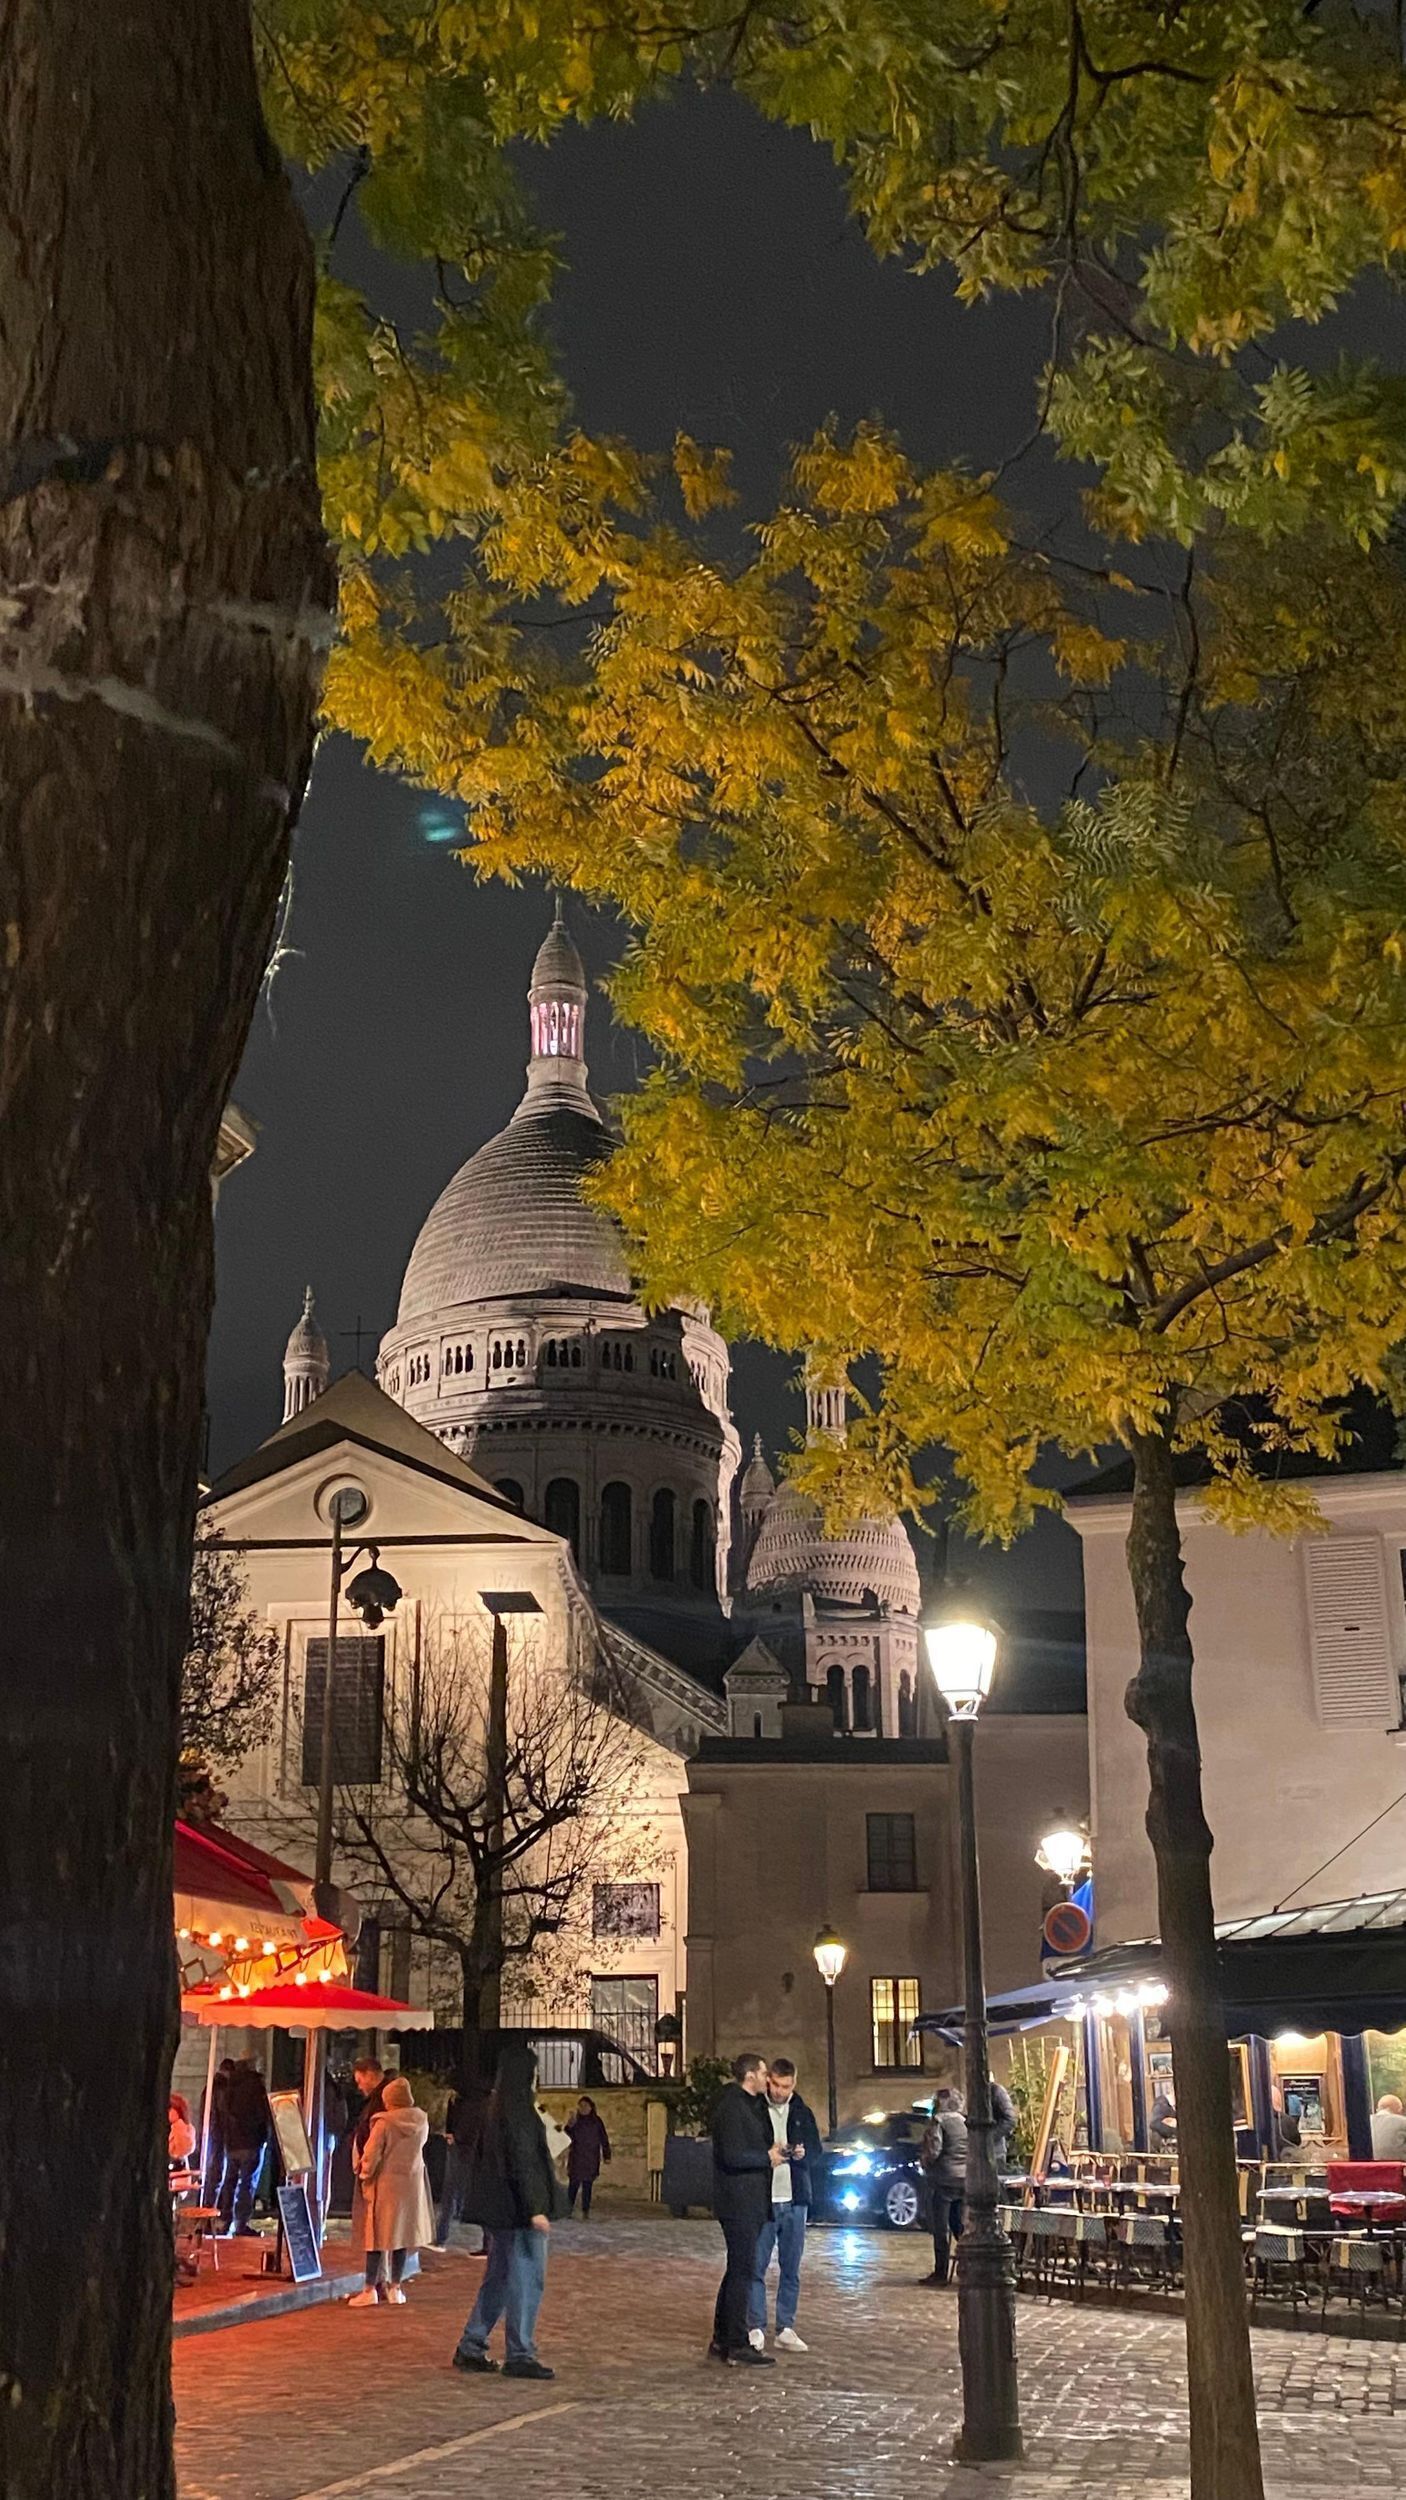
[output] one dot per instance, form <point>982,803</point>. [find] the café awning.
<point>319,2005</point>
<point>1333,1966</point>
<point>1015,2009</point>
<point>222,1885</point>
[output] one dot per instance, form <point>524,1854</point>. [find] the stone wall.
<point>624,2109</point>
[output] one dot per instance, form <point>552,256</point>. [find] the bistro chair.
<point>1144,2250</point>
<point>1281,2264</point>
<point>197,2228</point>
<point>1355,2265</point>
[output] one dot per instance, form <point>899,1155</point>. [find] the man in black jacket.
<point>248,2132</point>
<point>745,2153</point>
<point>783,2234</point>
<point>513,2190</point>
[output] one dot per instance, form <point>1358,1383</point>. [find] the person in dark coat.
<point>215,2132</point>
<point>1003,2117</point>
<point>590,2146</point>
<point>248,2132</point>
<point>745,2153</point>
<point>463,2128</point>
<point>944,2157</point>
<point>514,2191</point>
<point>783,2235</point>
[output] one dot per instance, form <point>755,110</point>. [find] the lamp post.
<point>962,1655</point>
<point>500,1604</point>
<point>1064,1853</point>
<point>830,1958</point>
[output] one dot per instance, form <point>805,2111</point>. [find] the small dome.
<point>558,965</point>
<point>872,1557</point>
<point>513,1221</point>
<point>307,1343</point>
<point>758,1483</point>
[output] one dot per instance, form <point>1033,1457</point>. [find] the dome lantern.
<point>307,1365</point>
<point>556,1071</point>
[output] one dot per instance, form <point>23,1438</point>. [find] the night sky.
<point>715,283</point>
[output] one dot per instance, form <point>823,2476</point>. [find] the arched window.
<point>562,1510</point>
<point>907,1710</point>
<point>700,1547</point>
<point>510,1489</point>
<point>661,1535</point>
<point>615,1531</point>
<point>838,1698</point>
<point>859,1690</point>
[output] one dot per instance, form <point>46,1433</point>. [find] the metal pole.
<point>496,1768</point>
<point>985,2267</point>
<point>830,2052</point>
<point>207,2112</point>
<point>322,1865</point>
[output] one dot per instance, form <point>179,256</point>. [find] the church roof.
<point>513,1221</point>
<point>354,1409</point>
<point>558,964</point>
<point>793,1551</point>
<point>307,1343</point>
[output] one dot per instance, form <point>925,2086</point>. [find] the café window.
<point>358,1701</point>
<point>892,1852</point>
<point>894,2007</point>
<point>630,1910</point>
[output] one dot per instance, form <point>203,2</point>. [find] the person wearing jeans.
<point>783,2234</point>
<point>514,2192</point>
<point>514,2280</point>
<point>944,2157</point>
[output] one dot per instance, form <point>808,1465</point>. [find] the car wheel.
<point>900,2205</point>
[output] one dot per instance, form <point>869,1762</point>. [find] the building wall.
<point>1284,1790</point>
<point>778,1848</point>
<point>443,1585</point>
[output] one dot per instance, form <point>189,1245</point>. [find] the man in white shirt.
<point>797,2134</point>
<point>1388,2129</point>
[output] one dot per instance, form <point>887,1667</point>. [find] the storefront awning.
<point>1335,1966</point>
<point>319,2005</point>
<point>220,1884</point>
<point>1017,2009</point>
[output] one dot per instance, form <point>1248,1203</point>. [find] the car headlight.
<point>851,2200</point>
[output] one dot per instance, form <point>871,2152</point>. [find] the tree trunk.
<point>163,600</point>
<point>1225,2457</point>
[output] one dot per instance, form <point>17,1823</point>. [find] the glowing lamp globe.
<point>1063,1851</point>
<point>962,1656</point>
<point>830,1955</point>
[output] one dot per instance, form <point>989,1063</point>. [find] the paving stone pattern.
<point>334,2404</point>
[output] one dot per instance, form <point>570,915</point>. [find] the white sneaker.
<point>789,2341</point>
<point>396,2296</point>
<point>369,2299</point>
<point>756,2337</point>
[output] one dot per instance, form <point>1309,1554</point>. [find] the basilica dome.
<point>792,1551</point>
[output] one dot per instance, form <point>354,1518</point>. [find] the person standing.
<point>944,2156</point>
<point>1003,2120</point>
<point>1162,2118</point>
<point>795,2129</point>
<point>369,2086</point>
<point>248,2131</point>
<point>463,2128</point>
<point>745,2154</point>
<point>590,2146</point>
<point>391,2170</point>
<point>215,2132</point>
<point>513,2190</point>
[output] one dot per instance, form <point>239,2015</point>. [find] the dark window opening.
<point>616,1528</point>
<point>562,1511</point>
<point>358,1697</point>
<point>893,1852</point>
<point>661,1535</point>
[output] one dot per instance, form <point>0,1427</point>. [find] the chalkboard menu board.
<point>304,2256</point>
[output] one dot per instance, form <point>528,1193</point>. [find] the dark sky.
<point>714,283</point>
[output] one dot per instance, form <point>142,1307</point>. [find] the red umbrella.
<point>317,2005</point>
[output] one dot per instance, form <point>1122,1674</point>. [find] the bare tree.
<point>499,1871</point>
<point>229,1678</point>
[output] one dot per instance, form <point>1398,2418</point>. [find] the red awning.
<point>221,1883</point>
<point>320,2005</point>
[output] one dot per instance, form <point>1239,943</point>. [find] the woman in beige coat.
<point>399,2217</point>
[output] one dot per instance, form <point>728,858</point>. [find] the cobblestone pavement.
<point>334,2404</point>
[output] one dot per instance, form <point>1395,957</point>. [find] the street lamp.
<point>1064,1853</point>
<point>830,1958</point>
<point>962,1655</point>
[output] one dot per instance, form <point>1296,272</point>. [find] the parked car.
<point>873,2173</point>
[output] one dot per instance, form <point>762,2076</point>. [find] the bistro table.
<point>1373,2204</point>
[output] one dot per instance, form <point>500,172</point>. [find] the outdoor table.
<point>1388,2203</point>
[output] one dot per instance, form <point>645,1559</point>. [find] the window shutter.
<point>1354,1679</point>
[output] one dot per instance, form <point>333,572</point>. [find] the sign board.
<point>1303,2099</point>
<point>1068,1929</point>
<point>304,2256</point>
<point>292,2132</point>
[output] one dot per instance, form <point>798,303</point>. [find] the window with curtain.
<point>661,1535</point>
<point>894,2007</point>
<point>616,1530</point>
<point>358,1700</point>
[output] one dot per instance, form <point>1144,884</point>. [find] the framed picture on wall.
<point>1240,2104</point>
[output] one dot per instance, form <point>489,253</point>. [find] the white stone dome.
<point>793,1551</point>
<point>513,1221</point>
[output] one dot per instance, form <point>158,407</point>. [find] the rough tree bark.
<point>164,596</point>
<point>1225,2456</point>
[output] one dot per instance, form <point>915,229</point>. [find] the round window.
<point>345,1501</point>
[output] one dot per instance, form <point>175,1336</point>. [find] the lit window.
<point>894,2007</point>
